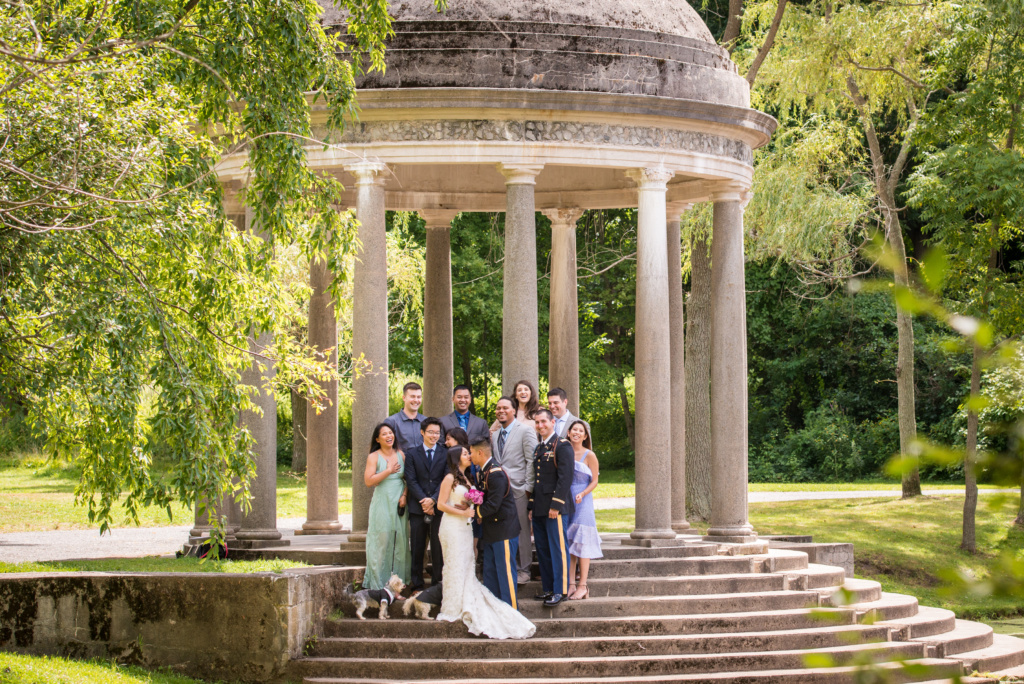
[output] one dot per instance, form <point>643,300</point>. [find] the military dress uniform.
<point>553,466</point>
<point>499,522</point>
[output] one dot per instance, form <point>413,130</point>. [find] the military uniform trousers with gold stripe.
<point>552,544</point>
<point>500,569</point>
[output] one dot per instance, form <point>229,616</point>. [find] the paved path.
<point>155,541</point>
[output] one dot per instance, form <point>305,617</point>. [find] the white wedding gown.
<point>464,597</point>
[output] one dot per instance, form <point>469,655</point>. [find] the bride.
<point>464,597</point>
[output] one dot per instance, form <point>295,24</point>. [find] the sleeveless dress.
<point>463,596</point>
<point>387,535</point>
<point>584,541</point>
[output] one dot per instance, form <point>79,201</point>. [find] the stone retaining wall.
<point>214,626</point>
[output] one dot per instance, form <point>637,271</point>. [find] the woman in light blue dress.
<point>584,541</point>
<point>387,533</point>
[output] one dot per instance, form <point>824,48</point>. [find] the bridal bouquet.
<point>475,497</point>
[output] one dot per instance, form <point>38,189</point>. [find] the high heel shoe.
<point>572,590</point>
<point>581,593</point>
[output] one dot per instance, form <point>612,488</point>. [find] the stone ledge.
<point>839,555</point>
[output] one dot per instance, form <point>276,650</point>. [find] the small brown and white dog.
<point>379,598</point>
<point>423,602</point>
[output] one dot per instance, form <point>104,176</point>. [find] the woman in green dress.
<point>387,533</point>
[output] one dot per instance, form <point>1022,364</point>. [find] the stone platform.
<point>685,613</point>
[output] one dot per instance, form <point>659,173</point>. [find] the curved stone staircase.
<point>680,614</point>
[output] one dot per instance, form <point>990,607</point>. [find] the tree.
<point>127,296</point>
<point>968,189</point>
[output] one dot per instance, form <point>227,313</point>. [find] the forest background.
<point>898,120</point>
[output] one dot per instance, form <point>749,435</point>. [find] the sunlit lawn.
<point>153,564</point>
<point>22,669</point>
<point>905,545</point>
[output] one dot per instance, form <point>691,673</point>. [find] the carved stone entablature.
<point>458,130</point>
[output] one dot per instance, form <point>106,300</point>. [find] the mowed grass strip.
<point>907,546</point>
<point>154,564</point>
<point>23,669</point>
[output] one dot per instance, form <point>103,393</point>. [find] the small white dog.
<point>379,598</point>
<point>423,602</point>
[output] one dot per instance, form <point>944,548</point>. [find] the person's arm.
<point>530,450</point>
<point>497,482</point>
<point>370,475</point>
<point>591,460</point>
<point>564,458</point>
<point>446,491</point>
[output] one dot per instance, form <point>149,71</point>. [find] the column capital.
<point>520,174</point>
<point>563,216</point>
<point>675,208</point>
<point>437,218</point>
<point>650,178</point>
<point>367,172</point>
<point>730,191</point>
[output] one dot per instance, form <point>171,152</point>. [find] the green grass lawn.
<point>22,669</point>
<point>153,564</point>
<point>905,545</point>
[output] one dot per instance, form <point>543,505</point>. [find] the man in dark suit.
<point>500,523</point>
<point>551,508</point>
<point>474,426</point>
<point>425,467</point>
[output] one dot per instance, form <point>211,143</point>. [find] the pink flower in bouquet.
<point>475,497</point>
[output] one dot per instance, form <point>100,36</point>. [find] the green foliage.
<point>25,669</point>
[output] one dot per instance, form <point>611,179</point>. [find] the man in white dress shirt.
<point>558,404</point>
<point>513,445</point>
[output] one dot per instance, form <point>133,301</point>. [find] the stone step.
<point>1004,653</point>
<point>927,622</point>
<point>777,561</point>
<point>688,550</point>
<point>851,591</point>
<point>888,607</point>
<point>821,576</point>
<point>965,636</point>
<point>560,647</point>
<point>617,606</point>
<point>502,669</point>
<point>687,585</point>
<point>401,628</point>
<point>894,672</point>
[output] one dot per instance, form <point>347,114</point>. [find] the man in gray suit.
<point>558,403</point>
<point>474,426</point>
<point>513,445</point>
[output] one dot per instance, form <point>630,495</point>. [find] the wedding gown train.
<point>464,597</point>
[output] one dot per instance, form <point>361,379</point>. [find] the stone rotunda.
<point>557,108</point>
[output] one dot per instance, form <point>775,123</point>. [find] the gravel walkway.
<point>156,541</point>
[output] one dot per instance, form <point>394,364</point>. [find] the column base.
<point>358,537</point>
<point>682,527</point>
<point>731,534</point>
<point>663,533</point>
<point>271,534</point>
<point>653,543</point>
<point>320,527</point>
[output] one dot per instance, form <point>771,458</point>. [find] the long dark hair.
<point>459,435</point>
<point>455,465</point>
<point>586,439</point>
<point>531,405</point>
<point>374,446</point>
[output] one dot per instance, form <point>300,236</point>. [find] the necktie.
<point>430,456</point>
<point>501,442</point>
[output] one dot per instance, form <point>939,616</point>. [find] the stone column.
<point>438,352</point>
<point>519,347</point>
<point>369,331</point>
<point>322,426</point>
<point>564,333</point>
<point>261,522</point>
<point>677,346</point>
<point>653,361</point>
<point>728,372</point>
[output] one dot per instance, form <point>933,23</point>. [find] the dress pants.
<point>419,529</point>
<point>525,545</point>
<point>552,544</point>
<point>500,569</point>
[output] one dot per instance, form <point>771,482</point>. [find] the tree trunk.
<point>733,24</point>
<point>298,432</point>
<point>905,355</point>
<point>698,380</point>
<point>1019,520</point>
<point>623,394</point>
<point>968,539</point>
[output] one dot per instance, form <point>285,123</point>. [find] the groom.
<point>499,522</point>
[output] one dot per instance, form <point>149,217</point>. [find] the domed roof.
<point>674,17</point>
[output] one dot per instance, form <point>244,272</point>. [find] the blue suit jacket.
<point>423,479</point>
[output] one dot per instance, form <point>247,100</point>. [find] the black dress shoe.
<point>544,596</point>
<point>554,600</point>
